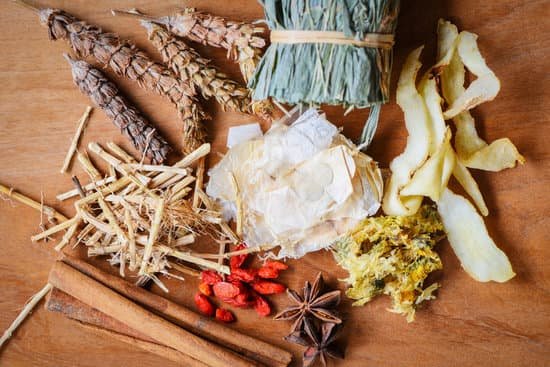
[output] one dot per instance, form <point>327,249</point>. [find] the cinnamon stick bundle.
<point>127,60</point>
<point>127,118</point>
<point>96,295</point>
<point>189,65</point>
<point>250,347</point>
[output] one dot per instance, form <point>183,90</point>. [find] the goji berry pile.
<point>245,287</point>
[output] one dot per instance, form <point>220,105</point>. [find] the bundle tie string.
<point>373,40</point>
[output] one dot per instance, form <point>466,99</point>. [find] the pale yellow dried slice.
<point>417,122</point>
<point>433,176</point>
<point>447,35</point>
<point>466,180</point>
<point>484,88</point>
<point>468,236</point>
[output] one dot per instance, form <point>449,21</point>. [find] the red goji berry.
<point>265,287</point>
<point>210,277</point>
<point>224,315</point>
<point>204,305</point>
<point>205,289</point>
<point>245,275</point>
<point>268,273</point>
<point>237,261</point>
<point>225,290</point>
<point>276,265</point>
<point>261,306</point>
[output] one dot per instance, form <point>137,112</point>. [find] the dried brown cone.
<point>127,118</point>
<point>127,60</point>
<point>189,65</point>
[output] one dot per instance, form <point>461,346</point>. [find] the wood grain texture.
<point>470,324</point>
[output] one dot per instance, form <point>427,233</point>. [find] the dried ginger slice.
<point>472,151</point>
<point>418,141</point>
<point>468,236</point>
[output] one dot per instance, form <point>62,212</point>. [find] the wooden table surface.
<point>470,323</point>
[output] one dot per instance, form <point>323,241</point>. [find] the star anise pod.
<point>313,303</point>
<point>318,342</point>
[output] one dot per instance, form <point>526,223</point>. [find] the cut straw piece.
<point>105,250</point>
<point>153,234</point>
<point>194,259</point>
<point>115,162</point>
<point>185,162</point>
<point>131,239</point>
<point>121,153</point>
<point>225,228</point>
<point>61,226</point>
<point>180,189</point>
<point>24,313</point>
<point>155,168</point>
<point>74,143</point>
<point>185,240</point>
<point>50,212</point>
<point>89,218</point>
<point>112,188</point>
<point>112,220</point>
<point>88,187</point>
<point>67,236</point>
<point>198,183</point>
<point>88,167</point>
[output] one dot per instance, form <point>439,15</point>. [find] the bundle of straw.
<point>336,52</point>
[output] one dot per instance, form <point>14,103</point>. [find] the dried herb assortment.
<point>316,322</point>
<point>300,187</point>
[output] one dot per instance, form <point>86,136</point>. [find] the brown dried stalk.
<point>240,39</point>
<point>189,65</point>
<point>127,118</point>
<point>127,60</point>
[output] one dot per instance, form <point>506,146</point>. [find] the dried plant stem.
<point>24,313</point>
<point>153,234</point>
<point>74,143</point>
<point>121,153</point>
<point>67,237</point>
<point>50,212</point>
<point>194,259</point>
<point>198,183</point>
<point>185,269</point>
<point>156,168</point>
<point>225,228</point>
<point>88,167</point>
<point>72,193</point>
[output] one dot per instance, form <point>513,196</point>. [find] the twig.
<point>88,166</point>
<point>198,183</point>
<point>55,229</point>
<point>74,143</point>
<point>152,236</point>
<point>72,193</point>
<point>24,313</point>
<point>79,188</point>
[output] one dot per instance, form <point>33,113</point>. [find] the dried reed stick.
<point>72,193</point>
<point>49,211</point>
<point>24,313</point>
<point>74,143</point>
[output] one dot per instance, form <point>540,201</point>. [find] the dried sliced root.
<point>432,177</point>
<point>465,179</point>
<point>418,142</point>
<point>74,143</point>
<point>468,236</point>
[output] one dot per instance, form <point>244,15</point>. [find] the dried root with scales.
<point>144,220</point>
<point>189,65</point>
<point>242,41</point>
<point>127,60</point>
<point>127,118</point>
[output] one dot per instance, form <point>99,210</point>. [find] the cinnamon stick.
<point>101,324</point>
<point>102,298</point>
<point>251,347</point>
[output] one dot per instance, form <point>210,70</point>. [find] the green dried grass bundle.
<point>316,73</point>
